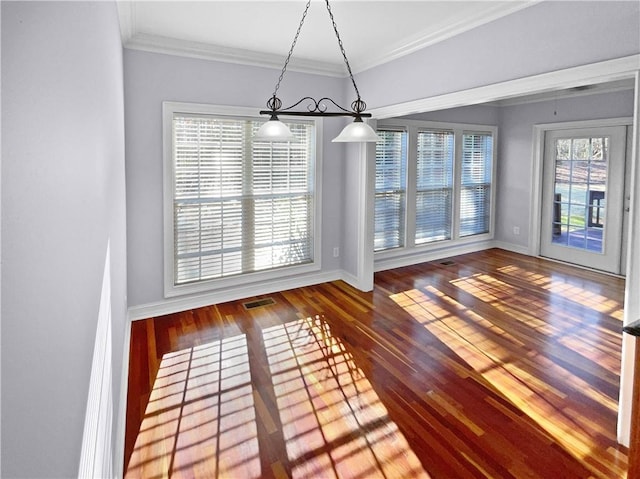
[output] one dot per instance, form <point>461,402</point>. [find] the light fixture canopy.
<point>274,130</point>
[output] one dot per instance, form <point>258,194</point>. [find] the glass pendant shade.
<point>358,131</point>
<point>274,130</point>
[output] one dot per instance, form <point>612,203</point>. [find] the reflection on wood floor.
<point>498,365</point>
<point>333,423</point>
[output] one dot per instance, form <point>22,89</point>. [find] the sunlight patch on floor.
<point>560,286</point>
<point>486,348</point>
<point>200,419</point>
<point>333,422</point>
<point>555,317</point>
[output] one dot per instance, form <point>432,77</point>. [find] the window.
<point>475,193</point>
<point>236,207</point>
<point>391,186</point>
<point>434,186</point>
<point>433,183</point>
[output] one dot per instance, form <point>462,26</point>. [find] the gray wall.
<point>350,210</point>
<point>545,37</point>
<point>515,150</point>
<point>63,200</point>
<point>153,78</point>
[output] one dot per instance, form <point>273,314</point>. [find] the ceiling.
<point>261,32</point>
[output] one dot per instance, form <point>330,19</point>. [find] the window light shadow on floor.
<point>200,416</point>
<point>333,422</point>
<point>485,340</point>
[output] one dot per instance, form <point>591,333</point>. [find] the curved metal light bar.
<point>275,130</point>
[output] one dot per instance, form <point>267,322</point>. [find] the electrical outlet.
<point>516,230</point>
<point>336,252</point>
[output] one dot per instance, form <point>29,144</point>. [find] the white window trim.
<point>412,127</point>
<point>170,288</point>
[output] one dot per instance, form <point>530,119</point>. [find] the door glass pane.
<point>580,193</point>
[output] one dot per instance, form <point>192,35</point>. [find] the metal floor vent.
<point>448,263</point>
<point>258,303</point>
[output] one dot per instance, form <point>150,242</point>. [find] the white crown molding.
<point>601,72</point>
<point>493,12</point>
<point>135,40</point>
<point>126,16</point>
<point>204,51</point>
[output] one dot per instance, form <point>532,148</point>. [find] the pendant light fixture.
<point>275,130</point>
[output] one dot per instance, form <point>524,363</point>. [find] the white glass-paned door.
<point>583,197</point>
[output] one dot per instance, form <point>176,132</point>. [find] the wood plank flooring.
<point>491,364</point>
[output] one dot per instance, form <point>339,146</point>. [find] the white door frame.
<point>537,178</point>
<point>632,284</point>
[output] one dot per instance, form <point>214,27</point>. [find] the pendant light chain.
<point>286,62</point>
<point>276,130</point>
<point>274,102</point>
<point>346,61</point>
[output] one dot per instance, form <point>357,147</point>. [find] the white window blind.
<point>475,189</point>
<point>239,206</point>
<point>434,186</point>
<point>391,187</point>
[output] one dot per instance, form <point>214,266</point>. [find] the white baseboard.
<point>354,281</point>
<point>514,248</point>
<point>118,459</point>
<point>177,304</point>
<point>431,255</point>
<point>184,303</point>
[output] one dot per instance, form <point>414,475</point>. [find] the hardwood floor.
<point>490,364</point>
